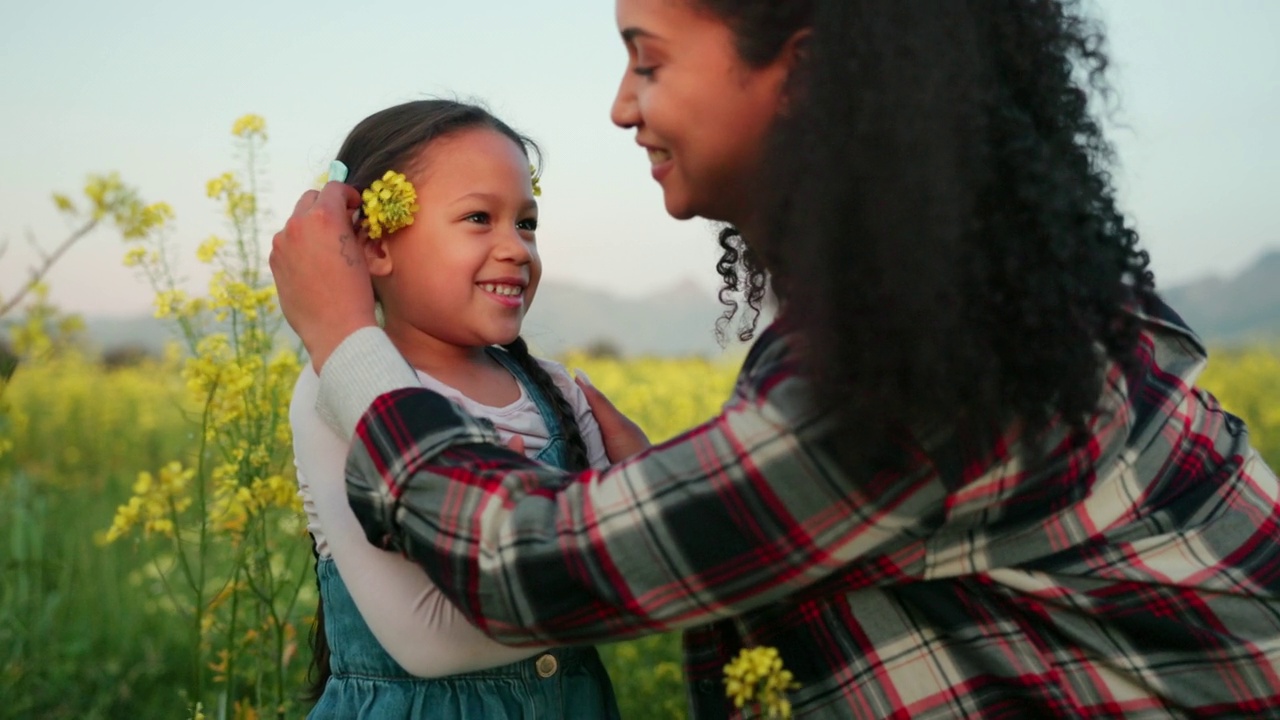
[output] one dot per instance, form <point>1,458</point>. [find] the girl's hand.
<point>622,437</point>
<point>320,271</point>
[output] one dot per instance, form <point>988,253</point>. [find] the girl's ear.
<point>375,254</point>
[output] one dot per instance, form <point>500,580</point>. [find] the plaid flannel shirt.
<point>1133,574</point>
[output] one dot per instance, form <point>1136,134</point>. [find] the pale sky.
<point>150,88</point>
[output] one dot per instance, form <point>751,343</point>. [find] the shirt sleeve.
<point>732,515</point>
<point>416,623</point>
<point>365,365</point>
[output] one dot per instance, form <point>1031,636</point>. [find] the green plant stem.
<point>231,631</point>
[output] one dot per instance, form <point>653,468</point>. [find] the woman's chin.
<point>678,204</point>
<point>683,207</point>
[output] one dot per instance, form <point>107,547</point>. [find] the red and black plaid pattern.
<point>1134,572</point>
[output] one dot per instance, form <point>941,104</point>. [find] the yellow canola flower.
<point>106,192</point>
<point>756,675</point>
<point>137,220</point>
<point>243,710</point>
<point>63,203</point>
<point>156,499</point>
<point>249,125</point>
<point>226,182</point>
<point>169,301</point>
<point>208,249</point>
<point>389,204</point>
<point>537,180</point>
<point>241,205</point>
<point>135,256</point>
<point>156,214</point>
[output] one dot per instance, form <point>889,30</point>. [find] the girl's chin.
<point>506,336</point>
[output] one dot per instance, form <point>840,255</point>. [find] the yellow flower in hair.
<point>389,204</point>
<point>756,678</point>
<point>537,177</point>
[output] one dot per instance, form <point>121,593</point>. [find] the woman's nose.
<point>625,112</point>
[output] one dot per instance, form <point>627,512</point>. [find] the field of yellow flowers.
<point>103,613</point>
<point>154,554</point>
<point>104,618</point>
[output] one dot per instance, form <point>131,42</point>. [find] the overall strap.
<point>556,440</point>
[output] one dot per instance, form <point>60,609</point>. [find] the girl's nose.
<point>514,248</point>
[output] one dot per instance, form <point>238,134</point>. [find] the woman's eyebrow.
<point>630,34</point>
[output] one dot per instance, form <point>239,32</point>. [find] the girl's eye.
<point>645,72</point>
<point>531,224</point>
<point>480,218</point>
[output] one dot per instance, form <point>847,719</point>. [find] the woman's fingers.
<point>516,444</point>
<point>305,202</point>
<point>622,437</point>
<point>320,270</point>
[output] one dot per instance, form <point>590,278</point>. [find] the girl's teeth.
<point>509,290</point>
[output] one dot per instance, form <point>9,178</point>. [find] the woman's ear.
<point>375,254</point>
<point>795,55</point>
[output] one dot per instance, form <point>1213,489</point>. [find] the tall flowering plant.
<point>224,525</point>
<point>36,329</point>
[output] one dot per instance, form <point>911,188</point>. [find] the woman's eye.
<point>531,224</point>
<point>480,218</point>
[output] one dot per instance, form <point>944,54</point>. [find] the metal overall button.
<point>546,665</point>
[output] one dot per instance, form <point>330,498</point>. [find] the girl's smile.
<point>508,292</point>
<point>464,273</point>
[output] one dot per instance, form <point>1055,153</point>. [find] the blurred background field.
<point>87,630</point>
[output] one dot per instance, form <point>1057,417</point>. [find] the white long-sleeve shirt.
<point>408,615</point>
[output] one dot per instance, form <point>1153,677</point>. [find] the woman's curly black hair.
<point>939,217</point>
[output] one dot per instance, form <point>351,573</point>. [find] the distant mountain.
<point>1233,311</point>
<point>678,321</point>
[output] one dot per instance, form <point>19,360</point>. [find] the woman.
<point>966,474</point>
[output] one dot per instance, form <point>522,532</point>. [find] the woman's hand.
<point>320,271</point>
<point>622,437</point>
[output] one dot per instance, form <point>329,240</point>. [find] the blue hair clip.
<point>337,171</point>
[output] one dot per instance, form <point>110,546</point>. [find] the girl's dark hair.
<point>393,139</point>
<point>576,458</point>
<point>939,216</point>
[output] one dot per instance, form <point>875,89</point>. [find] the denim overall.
<point>568,683</point>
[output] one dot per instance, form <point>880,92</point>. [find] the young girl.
<point>966,474</point>
<point>453,286</point>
